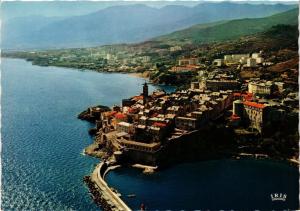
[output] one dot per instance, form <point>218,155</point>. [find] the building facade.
<point>254,113</point>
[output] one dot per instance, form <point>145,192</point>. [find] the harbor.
<point>61,152</point>
<point>102,194</point>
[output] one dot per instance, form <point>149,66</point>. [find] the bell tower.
<point>145,92</point>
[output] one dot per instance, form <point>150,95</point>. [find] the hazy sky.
<point>11,9</point>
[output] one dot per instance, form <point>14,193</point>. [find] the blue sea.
<point>43,164</point>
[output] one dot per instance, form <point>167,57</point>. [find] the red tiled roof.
<point>154,115</point>
<point>254,104</point>
<point>237,94</point>
<point>159,124</point>
<point>192,66</point>
<point>246,96</point>
<point>234,117</point>
<point>110,113</point>
<point>120,116</point>
<point>139,97</point>
<point>179,68</point>
<point>132,110</point>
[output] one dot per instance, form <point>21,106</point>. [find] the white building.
<point>218,62</point>
<point>125,127</point>
<point>146,59</point>
<point>251,62</point>
<point>259,60</point>
<point>260,87</point>
<point>235,58</point>
<point>175,48</point>
<point>258,57</point>
<point>109,56</point>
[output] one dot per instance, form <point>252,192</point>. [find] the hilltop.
<point>228,30</point>
<point>154,58</point>
<point>120,24</point>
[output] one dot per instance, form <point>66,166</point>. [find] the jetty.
<point>102,194</point>
<point>147,169</point>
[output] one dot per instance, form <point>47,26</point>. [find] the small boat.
<point>131,195</point>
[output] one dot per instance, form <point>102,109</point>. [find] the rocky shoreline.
<point>185,149</point>
<point>96,194</point>
<point>226,148</point>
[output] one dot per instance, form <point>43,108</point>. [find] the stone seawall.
<point>135,156</point>
<point>101,193</point>
<point>207,143</point>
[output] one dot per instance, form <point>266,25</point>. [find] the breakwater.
<point>103,195</point>
<point>37,129</point>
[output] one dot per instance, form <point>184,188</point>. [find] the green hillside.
<point>221,31</point>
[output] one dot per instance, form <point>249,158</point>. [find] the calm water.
<point>42,141</point>
<point>214,185</point>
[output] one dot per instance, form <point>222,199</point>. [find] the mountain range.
<point>126,23</point>
<point>226,30</point>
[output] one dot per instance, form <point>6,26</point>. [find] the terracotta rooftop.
<point>109,113</point>
<point>136,98</point>
<point>234,117</point>
<point>254,104</point>
<point>120,116</point>
<point>132,110</point>
<point>159,124</point>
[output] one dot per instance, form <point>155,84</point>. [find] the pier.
<point>108,199</point>
<point>147,169</point>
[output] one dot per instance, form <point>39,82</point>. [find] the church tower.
<point>145,92</point>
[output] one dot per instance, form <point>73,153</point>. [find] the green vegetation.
<point>222,31</point>
<point>170,78</point>
<point>276,35</point>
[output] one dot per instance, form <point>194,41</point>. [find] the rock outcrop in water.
<point>93,113</point>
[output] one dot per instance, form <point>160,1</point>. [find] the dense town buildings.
<point>188,61</point>
<point>216,80</point>
<point>261,87</point>
<point>147,122</point>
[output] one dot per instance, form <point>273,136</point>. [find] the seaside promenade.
<point>112,199</point>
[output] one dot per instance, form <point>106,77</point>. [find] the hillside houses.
<point>246,60</point>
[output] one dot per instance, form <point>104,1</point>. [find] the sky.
<point>11,9</point>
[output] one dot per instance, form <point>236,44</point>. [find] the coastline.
<point>89,150</point>
<point>144,75</point>
<point>132,73</point>
<point>99,150</point>
<point>140,75</point>
<point>109,198</point>
<point>102,194</point>
<point>254,156</point>
<point>259,158</point>
<point>184,147</point>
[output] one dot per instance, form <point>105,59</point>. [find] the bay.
<point>42,139</point>
<point>42,143</point>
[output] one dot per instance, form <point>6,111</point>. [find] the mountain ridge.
<point>220,31</point>
<point>130,24</point>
